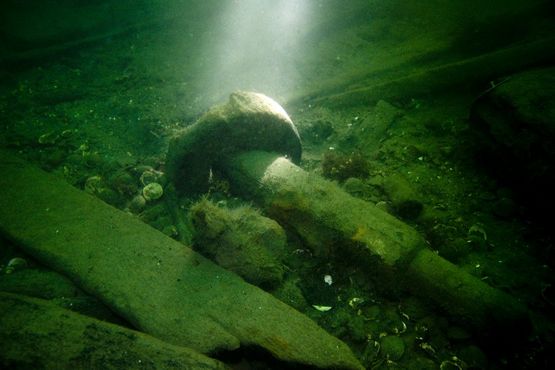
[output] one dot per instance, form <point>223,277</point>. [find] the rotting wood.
<point>159,285</point>
<point>328,218</point>
<point>37,334</point>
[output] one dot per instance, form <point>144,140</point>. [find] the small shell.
<point>322,308</point>
<point>153,191</point>
<point>16,264</point>
<point>355,302</point>
<point>93,185</point>
<point>151,175</point>
<point>49,138</point>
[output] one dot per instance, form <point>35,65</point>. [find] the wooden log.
<point>37,334</point>
<point>331,221</point>
<point>159,285</point>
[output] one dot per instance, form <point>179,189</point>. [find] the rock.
<point>248,121</point>
<point>392,347</point>
<point>516,124</point>
<point>156,283</point>
<point>36,334</point>
<point>240,240</point>
<point>405,200</point>
<point>373,128</point>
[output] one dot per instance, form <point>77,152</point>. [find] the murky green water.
<point>424,111</point>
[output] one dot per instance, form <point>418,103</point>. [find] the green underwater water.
<point>381,94</point>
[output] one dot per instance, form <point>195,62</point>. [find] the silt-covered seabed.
<point>404,106</point>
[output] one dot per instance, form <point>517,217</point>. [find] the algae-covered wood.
<point>321,212</point>
<point>329,220</point>
<point>37,334</point>
<point>159,285</point>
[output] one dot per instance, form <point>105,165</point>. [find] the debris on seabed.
<point>322,308</point>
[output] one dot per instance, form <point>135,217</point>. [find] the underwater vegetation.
<point>277,184</point>
<point>340,167</point>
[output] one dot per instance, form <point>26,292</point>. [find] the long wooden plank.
<point>37,334</point>
<point>334,223</point>
<point>159,285</point>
